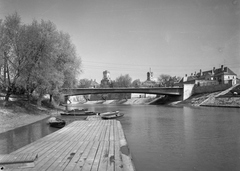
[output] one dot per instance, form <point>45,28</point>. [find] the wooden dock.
<point>82,145</point>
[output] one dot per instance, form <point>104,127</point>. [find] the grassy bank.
<point>15,114</point>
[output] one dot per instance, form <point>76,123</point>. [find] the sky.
<point>174,37</point>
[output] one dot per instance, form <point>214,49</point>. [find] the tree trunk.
<point>39,101</point>
<point>5,70</point>
<point>8,94</point>
<point>51,98</point>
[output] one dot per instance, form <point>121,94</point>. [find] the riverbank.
<point>21,113</point>
<point>215,99</point>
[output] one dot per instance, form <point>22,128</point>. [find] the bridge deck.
<point>82,145</point>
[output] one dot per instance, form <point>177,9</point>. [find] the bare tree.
<point>84,83</point>
<point>136,83</point>
<point>123,81</point>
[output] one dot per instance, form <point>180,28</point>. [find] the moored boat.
<point>82,113</point>
<point>78,110</point>
<point>109,113</point>
<point>112,116</point>
<point>56,122</point>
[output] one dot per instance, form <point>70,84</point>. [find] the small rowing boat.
<point>56,122</point>
<point>82,113</point>
<point>78,110</point>
<point>109,113</point>
<point>112,116</point>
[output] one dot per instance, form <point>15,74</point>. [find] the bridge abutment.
<point>187,91</point>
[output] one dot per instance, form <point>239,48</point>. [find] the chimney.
<point>200,72</point>
<point>222,69</point>
<point>185,78</point>
<point>213,70</point>
<point>195,73</point>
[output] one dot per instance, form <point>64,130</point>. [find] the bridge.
<point>177,92</point>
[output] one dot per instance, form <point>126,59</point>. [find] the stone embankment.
<point>124,101</point>
<point>216,99</point>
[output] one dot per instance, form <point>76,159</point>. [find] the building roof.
<point>225,71</point>
<point>211,73</point>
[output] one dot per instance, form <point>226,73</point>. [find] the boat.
<point>78,110</point>
<point>56,122</point>
<point>82,113</point>
<point>109,113</point>
<point>112,116</point>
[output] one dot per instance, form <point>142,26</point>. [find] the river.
<point>162,137</point>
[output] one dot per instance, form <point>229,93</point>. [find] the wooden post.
<point>65,102</point>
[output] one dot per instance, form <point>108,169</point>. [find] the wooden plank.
<point>93,131</point>
<point>95,164</point>
<point>104,157</point>
<point>48,156</point>
<point>111,157</point>
<point>81,145</point>
<point>42,151</point>
<point>107,135</point>
<point>65,158</point>
<point>56,155</point>
<point>101,138</point>
<point>86,161</point>
<point>98,134</point>
<point>118,157</point>
<point>111,131</point>
<point>33,147</point>
<point>124,150</point>
<point>18,161</point>
<point>17,158</point>
<point>70,166</point>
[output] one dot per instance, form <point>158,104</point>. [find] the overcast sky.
<point>174,37</point>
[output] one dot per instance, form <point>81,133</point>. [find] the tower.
<point>106,81</point>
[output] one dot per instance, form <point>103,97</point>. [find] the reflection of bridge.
<point>178,92</point>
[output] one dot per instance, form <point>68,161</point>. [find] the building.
<point>151,81</point>
<point>106,81</point>
<point>222,75</point>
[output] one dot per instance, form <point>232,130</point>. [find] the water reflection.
<point>17,138</point>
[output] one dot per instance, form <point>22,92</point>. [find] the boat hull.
<point>56,122</point>
<point>79,114</point>
<point>57,125</point>
<point>113,116</point>
<point>109,113</point>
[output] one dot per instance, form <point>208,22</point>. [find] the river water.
<point>162,137</point>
